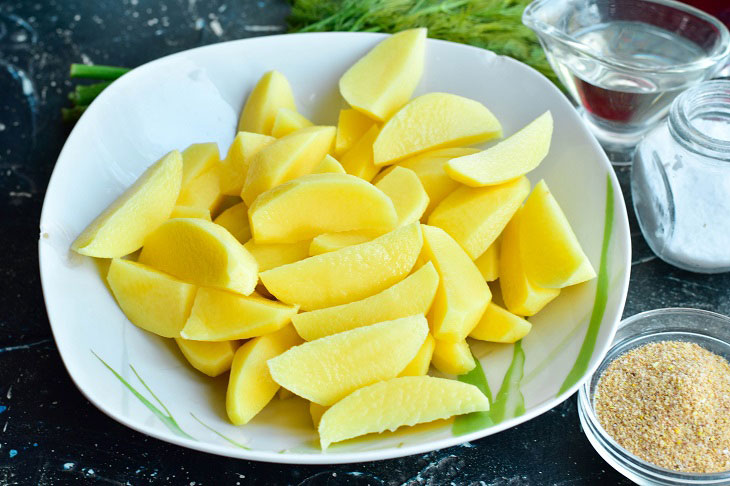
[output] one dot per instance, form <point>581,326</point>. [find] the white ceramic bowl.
<point>142,380</point>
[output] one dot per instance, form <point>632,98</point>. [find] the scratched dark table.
<point>50,435</point>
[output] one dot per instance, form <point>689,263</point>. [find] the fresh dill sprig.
<point>490,24</point>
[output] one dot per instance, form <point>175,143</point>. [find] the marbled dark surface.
<point>49,434</point>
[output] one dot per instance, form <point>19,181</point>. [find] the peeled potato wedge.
<point>212,359</point>
<point>234,168</point>
<point>272,92</point>
<point>385,78</point>
<point>391,404</point>
<point>122,227</point>
<point>433,121</point>
<point>288,121</point>
<point>452,358</point>
<point>201,252</point>
<point>409,197</point>
<point>351,126</point>
<point>512,157</point>
<point>500,326</point>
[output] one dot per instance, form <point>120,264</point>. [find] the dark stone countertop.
<point>50,435</point>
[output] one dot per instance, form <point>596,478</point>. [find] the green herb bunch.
<point>490,24</point>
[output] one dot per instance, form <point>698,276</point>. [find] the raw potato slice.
<point>409,197</point>
<point>328,164</point>
<point>488,262</point>
<point>385,78</point>
<point>452,358</point>
<point>235,220</point>
<point>462,295</point>
<point>218,315</point>
<point>431,121</point>
<point>500,326</point>
<point>234,168</point>
<point>412,295</point>
<point>152,300</point>
<point>270,93</point>
<point>212,359</point>
<point>288,121</point>
<point>351,126</point>
<point>551,254</point>
<point>475,217</point>
<point>122,227</point>
<point>202,253</point>
<point>420,364</point>
<point>190,212</point>
<point>289,157</point>
<point>406,400</point>
<point>316,411</point>
<point>349,274</point>
<point>358,161</point>
<point>328,242</point>
<point>520,295</point>
<point>274,255</point>
<point>320,203</point>
<point>510,158</point>
<point>328,369</point>
<point>429,168</point>
<point>203,192</point>
<point>250,386</point>
<point>197,159</point>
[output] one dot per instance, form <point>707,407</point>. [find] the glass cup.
<point>624,61</point>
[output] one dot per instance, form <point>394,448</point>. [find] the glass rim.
<point>681,119</point>
<point>720,51</point>
<point>627,459</point>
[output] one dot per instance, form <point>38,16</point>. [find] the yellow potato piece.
<point>520,295</point>
<point>203,192</point>
<point>328,242</point>
<point>201,252</point>
<point>152,300</point>
<point>270,93</point>
<point>551,254</point>
<point>412,295</point>
<point>190,212</point>
<point>358,161</point>
<point>349,274</point>
<point>218,315</point>
<point>452,358</point>
<point>351,126</point>
<point>288,121</point>
<point>391,404</point>
<point>429,168</point>
<point>432,121</point>
<point>234,168</point>
<point>510,158</point>
<point>420,364</point>
<point>235,220</point>
<point>328,164</point>
<point>462,294</point>
<point>289,157</point>
<point>384,79</point>
<point>316,411</point>
<point>328,369</point>
<point>122,227</point>
<point>409,197</point>
<point>212,359</point>
<point>274,255</point>
<point>250,386</point>
<point>320,203</point>
<point>197,159</point>
<point>488,262</point>
<point>475,217</point>
<point>500,326</point>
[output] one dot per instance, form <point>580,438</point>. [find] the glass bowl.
<point>707,329</point>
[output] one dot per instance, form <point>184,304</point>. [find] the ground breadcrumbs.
<point>669,403</point>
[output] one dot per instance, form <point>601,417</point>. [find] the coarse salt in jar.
<point>680,181</point>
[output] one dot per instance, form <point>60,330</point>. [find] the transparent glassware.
<point>680,181</point>
<point>624,61</point>
<point>707,329</point>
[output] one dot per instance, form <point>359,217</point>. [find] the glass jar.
<point>680,181</point>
